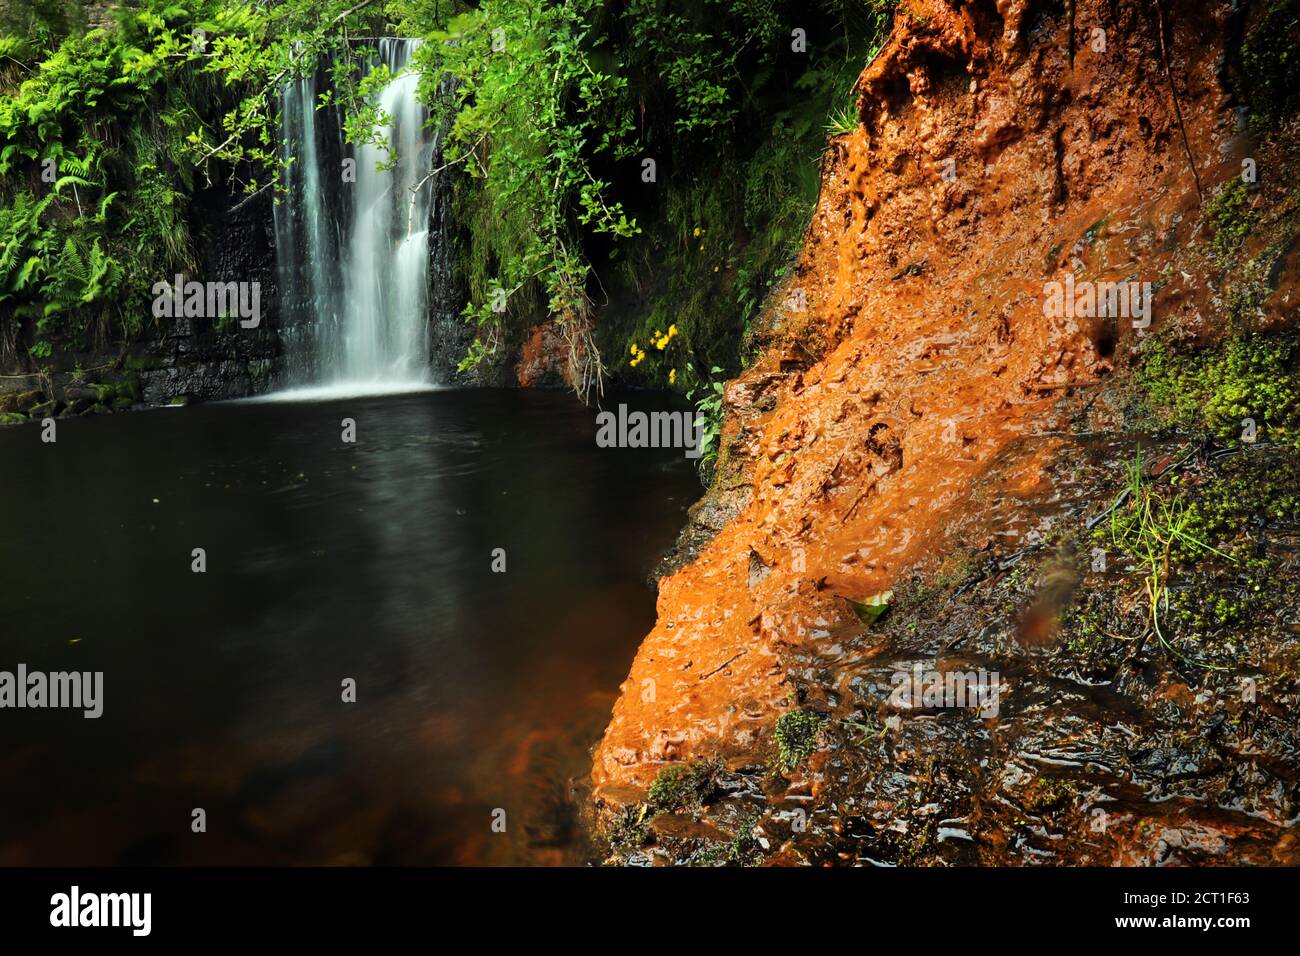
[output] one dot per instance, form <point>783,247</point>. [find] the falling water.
<point>353,254</point>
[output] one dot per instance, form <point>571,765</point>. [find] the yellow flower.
<point>697,232</point>
<point>672,330</point>
<point>672,376</point>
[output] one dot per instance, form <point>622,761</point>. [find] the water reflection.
<point>325,561</point>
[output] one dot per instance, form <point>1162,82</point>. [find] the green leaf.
<point>873,608</point>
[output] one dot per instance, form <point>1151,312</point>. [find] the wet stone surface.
<point>1105,749</point>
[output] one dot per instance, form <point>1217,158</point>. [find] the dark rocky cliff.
<point>205,361</point>
<point>177,360</point>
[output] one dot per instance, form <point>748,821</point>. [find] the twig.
<point>1178,111</point>
<point>247,199</point>
<point>452,162</point>
<point>734,657</point>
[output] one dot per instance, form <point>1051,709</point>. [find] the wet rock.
<point>75,393</point>
<point>48,409</point>
<point>544,358</point>
<point>20,401</point>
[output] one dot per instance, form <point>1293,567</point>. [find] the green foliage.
<point>532,108</point>
<point>35,25</point>
<point>1250,491</point>
<point>1195,539</point>
<point>551,108</point>
<point>1251,376</point>
<point>725,225</point>
<point>103,133</point>
<point>796,736</point>
<point>55,224</point>
<point>842,121</point>
<point>1154,530</point>
<point>1270,59</point>
<point>555,126</point>
<point>709,414</point>
<point>696,51</point>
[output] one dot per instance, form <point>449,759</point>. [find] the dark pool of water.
<point>325,561</point>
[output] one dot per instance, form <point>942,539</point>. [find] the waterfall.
<point>353,253</point>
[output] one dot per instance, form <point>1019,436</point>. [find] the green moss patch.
<point>1230,218</point>
<point>1217,390</point>
<point>796,736</point>
<point>683,786</point>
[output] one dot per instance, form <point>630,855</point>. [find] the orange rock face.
<point>913,343</point>
<point>543,360</point>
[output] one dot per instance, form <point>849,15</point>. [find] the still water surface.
<point>325,561</point>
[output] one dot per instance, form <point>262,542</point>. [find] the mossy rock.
<point>129,387</point>
<point>683,786</point>
<point>20,401</point>
<point>115,393</point>
<point>796,736</point>
<point>143,363</point>
<point>46,409</point>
